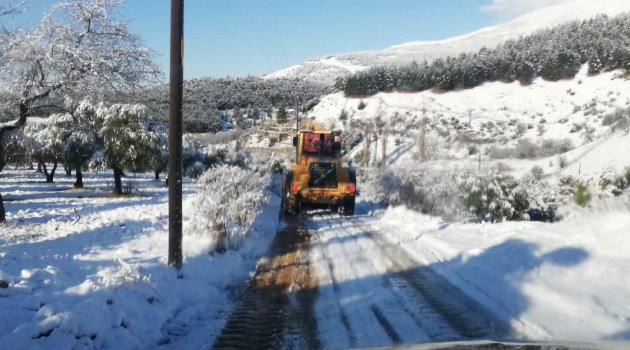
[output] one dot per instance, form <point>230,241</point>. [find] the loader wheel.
<point>286,206</point>
<point>347,207</point>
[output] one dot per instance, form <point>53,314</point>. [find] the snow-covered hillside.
<point>498,115</point>
<point>326,69</point>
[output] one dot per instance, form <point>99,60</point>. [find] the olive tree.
<point>80,48</point>
<point>82,140</point>
<point>126,143</point>
<point>50,142</point>
<point>77,150</point>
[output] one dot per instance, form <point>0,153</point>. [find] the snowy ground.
<point>385,277</point>
<point>88,270</point>
<point>565,281</point>
<point>560,281</point>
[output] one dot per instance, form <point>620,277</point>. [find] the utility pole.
<point>297,128</point>
<point>175,135</point>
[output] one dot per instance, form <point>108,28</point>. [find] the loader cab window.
<point>321,144</point>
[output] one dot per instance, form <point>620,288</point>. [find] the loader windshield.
<point>321,144</point>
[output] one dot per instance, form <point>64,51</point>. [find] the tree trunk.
<point>49,176</point>
<point>117,181</point>
<point>79,182</point>
<point>68,170</point>
<point>11,126</point>
<point>39,167</point>
<point>3,155</point>
<point>157,175</point>
<point>3,218</point>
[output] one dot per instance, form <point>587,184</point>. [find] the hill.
<point>327,69</point>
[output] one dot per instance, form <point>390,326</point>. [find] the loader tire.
<point>347,207</point>
<point>287,207</point>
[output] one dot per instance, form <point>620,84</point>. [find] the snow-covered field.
<point>87,270</point>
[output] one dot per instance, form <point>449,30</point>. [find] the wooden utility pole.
<point>297,128</point>
<point>175,135</point>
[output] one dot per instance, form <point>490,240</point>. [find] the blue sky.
<point>241,37</point>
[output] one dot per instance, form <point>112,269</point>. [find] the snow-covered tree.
<point>50,140</point>
<point>81,47</point>
<point>78,148</point>
<point>282,116</point>
<point>126,143</point>
<point>158,136</point>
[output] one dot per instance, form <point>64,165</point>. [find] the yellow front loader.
<point>318,178</point>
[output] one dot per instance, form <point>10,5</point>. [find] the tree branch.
<point>13,8</point>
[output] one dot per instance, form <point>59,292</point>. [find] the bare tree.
<point>81,47</point>
<point>13,7</point>
<point>384,145</point>
<point>367,142</point>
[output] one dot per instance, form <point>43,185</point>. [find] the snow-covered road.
<point>334,282</point>
<point>399,277</point>
<point>372,293</point>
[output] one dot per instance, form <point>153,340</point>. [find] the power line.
<point>262,47</point>
<point>274,34</point>
<point>277,31</point>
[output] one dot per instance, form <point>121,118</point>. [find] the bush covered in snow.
<point>227,205</point>
<point>526,149</point>
<point>381,186</point>
<point>491,197</point>
<point>487,196</point>
<point>415,187</point>
<point>582,194</point>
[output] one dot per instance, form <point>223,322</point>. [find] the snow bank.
<point>562,281</point>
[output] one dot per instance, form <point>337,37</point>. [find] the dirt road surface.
<point>335,282</point>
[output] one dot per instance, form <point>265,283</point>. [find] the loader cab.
<point>318,144</point>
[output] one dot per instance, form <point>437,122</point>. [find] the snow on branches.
<point>80,48</point>
<point>227,205</point>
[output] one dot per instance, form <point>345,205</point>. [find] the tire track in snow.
<point>359,319</point>
<point>432,324</point>
<point>397,290</point>
<point>276,309</point>
<point>373,308</point>
<point>462,313</point>
<point>517,324</point>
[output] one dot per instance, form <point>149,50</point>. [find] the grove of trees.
<point>552,54</point>
<point>80,48</point>
<point>208,100</point>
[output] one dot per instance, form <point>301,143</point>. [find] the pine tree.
<point>282,117</point>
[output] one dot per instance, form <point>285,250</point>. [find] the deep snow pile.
<point>561,281</point>
<point>87,270</point>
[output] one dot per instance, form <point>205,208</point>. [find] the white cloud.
<point>509,9</point>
